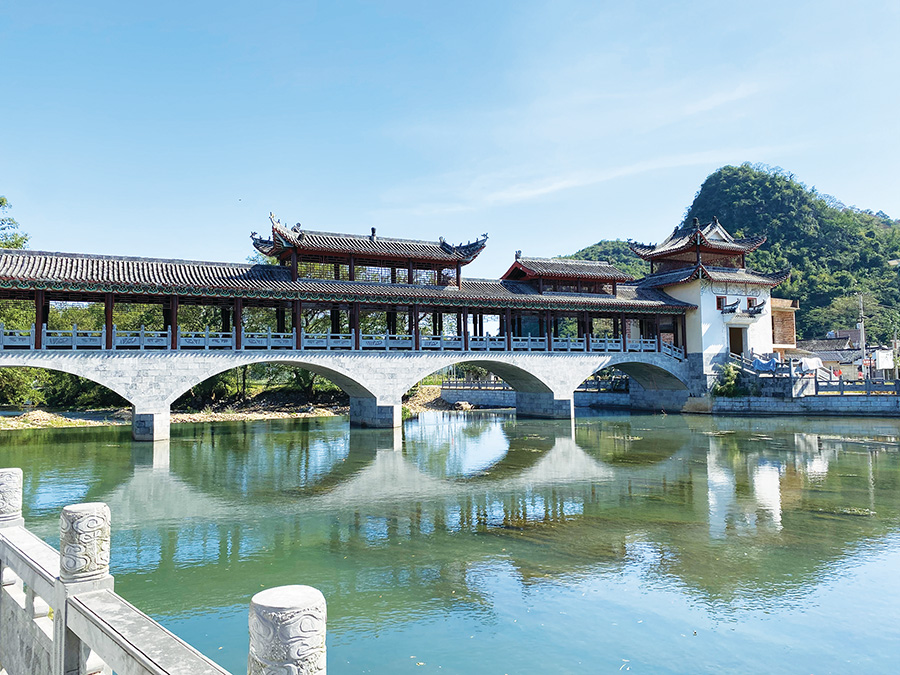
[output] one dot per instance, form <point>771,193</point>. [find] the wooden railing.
<point>206,340</point>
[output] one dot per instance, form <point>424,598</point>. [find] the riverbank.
<point>425,398</point>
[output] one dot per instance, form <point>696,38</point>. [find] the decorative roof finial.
<point>518,255</point>
<point>696,223</point>
<point>373,237</point>
<point>715,220</point>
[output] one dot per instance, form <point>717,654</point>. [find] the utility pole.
<point>894,345</point>
<point>862,337</point>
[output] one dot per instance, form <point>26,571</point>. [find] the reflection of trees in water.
<point>449,448</point>
<point>631,442</point>
<point>832,497</point>
<point>261,459</point>
<point>66,466</point>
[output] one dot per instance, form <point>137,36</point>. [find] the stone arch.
<point>650,371</point>
<point>348,383</point>
<point>516,376</point>
<point>71,366</point>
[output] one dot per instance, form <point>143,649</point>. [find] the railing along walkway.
<point>59,614</point>
<point>141,340</point>
<point>613,384</point>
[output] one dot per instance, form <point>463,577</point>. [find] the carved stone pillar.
<point>84,541</point>
<point>287,631</point>
<point>11,498</point>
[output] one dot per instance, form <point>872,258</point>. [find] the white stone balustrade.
<point>93,631</point>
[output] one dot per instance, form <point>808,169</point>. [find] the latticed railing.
<point>81,339</point>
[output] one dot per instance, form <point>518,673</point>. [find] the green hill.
<point>834,251</point>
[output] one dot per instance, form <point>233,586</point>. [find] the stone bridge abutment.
<point>374,381</point>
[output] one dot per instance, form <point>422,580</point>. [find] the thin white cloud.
<point>484,191</point>
<point>720,98</point>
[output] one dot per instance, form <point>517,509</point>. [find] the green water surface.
<point>476,543</point>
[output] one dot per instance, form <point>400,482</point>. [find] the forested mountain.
<point>834,251</point>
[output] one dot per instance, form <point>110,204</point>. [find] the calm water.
<point>475,543</point>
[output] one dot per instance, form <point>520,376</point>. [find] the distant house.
<point>826,344</point>
<point>851,333</point>
<point>784,326</point>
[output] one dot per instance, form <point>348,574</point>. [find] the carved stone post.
<point>84,546</point>
<point>11,498</point>
<point>84,540</point>
<point>287,631</point>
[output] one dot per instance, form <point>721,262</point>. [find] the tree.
<point>10,237</point>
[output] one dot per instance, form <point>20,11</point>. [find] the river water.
<point>476,543</point>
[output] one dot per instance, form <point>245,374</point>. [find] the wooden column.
<point>238,322</point>
<point>391,321</point>
<point>280,320</point>
<point>108,307</point>
<point>40,318</point>
<point>297,312</point>
<point>226,319</point>
<point>465,329</point>
<point>624,332</point>
<point>658,335</point>
<point>587,332</point>
<point>409,272</point>
<point>684,333</point>
<point>335,321</point>
<point>294,273</point>
<point>354,324</point>
<point>337,271</point>
<point>548,329</point>
<point>416,338</point>
<point>352,268</point>
<point>173,320</point>
<point>458,274</point>
<point>393,275</point>
<point>508,315</point>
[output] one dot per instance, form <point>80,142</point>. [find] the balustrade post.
<point>74,336</point>
<point>84,547</point>
<point>11,498</point>
<point>287,631</point>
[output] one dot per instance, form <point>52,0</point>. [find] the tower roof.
<point>709,237</point>
<point>365,246</point>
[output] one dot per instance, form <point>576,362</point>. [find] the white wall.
<point>707,330</point>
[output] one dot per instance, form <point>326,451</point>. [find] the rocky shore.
<point>425,398</point>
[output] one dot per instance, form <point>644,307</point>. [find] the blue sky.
<point>172,129</point>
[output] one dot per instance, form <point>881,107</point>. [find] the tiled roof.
<point>720,274</point>
<point>842,356</point>
<point>569,268</point>
<point>284,239</point>
<point>26,270</point>
<point>688,236</point>
<point>825,344</point>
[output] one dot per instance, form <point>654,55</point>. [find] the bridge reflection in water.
<point>483,525</point>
